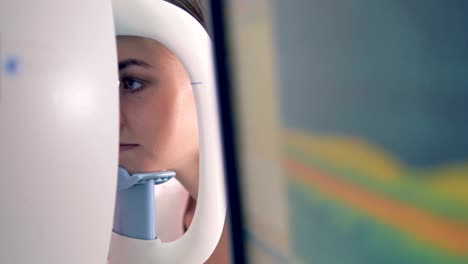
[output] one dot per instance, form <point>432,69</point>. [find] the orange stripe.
<point>449,235</point>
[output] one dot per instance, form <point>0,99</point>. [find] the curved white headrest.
<point>188,40</point>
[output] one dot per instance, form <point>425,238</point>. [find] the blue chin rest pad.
<point>134,214</point>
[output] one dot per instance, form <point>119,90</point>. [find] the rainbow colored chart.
<point>351,202</point>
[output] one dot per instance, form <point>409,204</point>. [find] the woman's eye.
<point>131,84</point>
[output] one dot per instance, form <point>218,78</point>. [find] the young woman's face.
<point>158,123</point>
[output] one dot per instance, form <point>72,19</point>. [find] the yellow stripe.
<point>359,156</point>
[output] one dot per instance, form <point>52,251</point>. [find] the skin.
<point>158,115</point>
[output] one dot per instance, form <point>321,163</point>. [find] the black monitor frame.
<point>226,107</point>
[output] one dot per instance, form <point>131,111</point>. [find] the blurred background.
<point>350,129</point>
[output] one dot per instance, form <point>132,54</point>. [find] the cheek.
<point>150,118</point>
<point>189,114</point>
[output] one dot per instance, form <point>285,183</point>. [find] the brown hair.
<point>194,7</point>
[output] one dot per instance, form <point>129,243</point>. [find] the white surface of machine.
<point>59,121</point>
<point>59,131</point>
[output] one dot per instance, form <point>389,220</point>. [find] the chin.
<point>131,164</point>
<point>134,165</point>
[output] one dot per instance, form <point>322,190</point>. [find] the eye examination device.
<point>64,198</point>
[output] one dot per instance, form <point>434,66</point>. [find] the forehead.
<point>142,48</point>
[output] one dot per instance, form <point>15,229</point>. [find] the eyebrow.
<point>133,62</point>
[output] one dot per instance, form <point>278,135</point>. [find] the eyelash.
<point>125,79</point>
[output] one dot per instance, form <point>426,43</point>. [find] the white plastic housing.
<point>187,39</point>
<point>58,131</point>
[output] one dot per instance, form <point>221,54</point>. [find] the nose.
<point>122,115</point>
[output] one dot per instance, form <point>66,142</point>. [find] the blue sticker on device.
<point>12,65</point>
